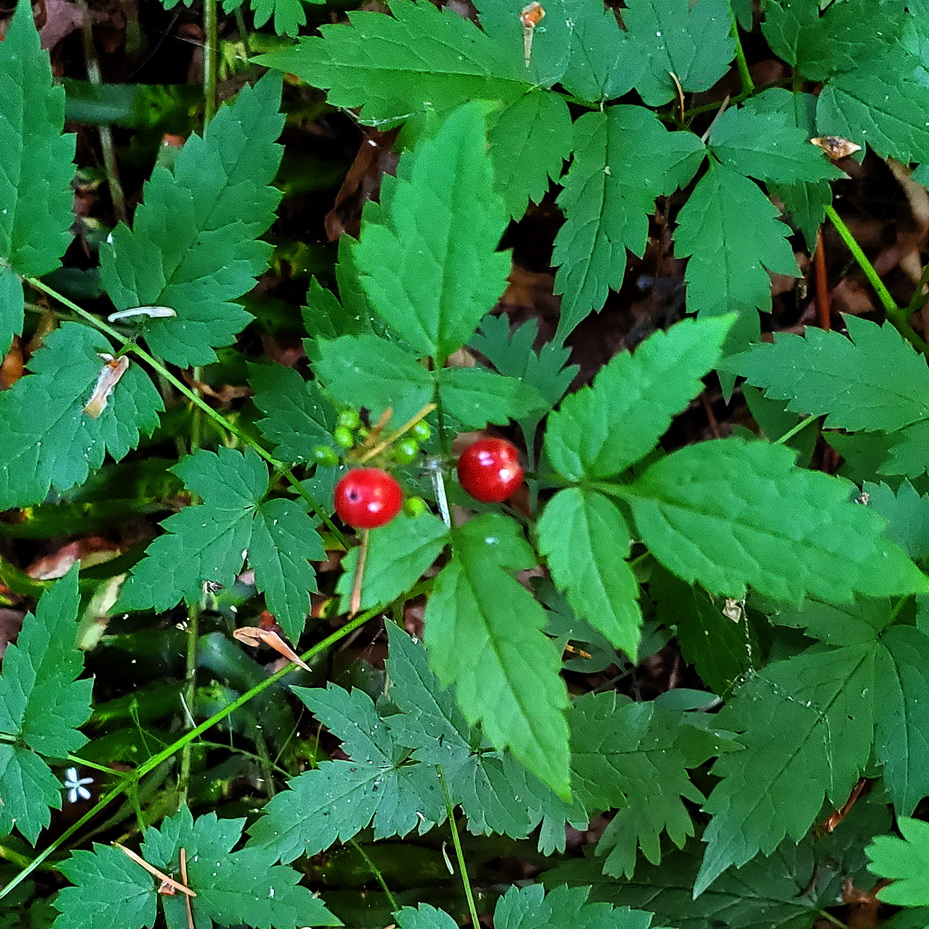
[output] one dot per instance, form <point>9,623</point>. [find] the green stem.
<point>459,852</point>
<point>899,318</point>
<point>210,58</point>
<point>376,871</point>
<point>790,433</point>
<point>135,776</point>
<point>748,85</point>
<point>196,399</point>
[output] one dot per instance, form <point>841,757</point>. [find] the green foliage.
<point>208,543</point>
<point>559,626</point>
<point>196,260</point>
<point>229,885</point>
<point>35,169</point>
<point>904,860</point>
<point>51,441</point>
<point>42,704</point>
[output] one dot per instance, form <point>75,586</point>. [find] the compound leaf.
<point>873,380</point>
<point>603,429</point>
<point>609,194</point>
<point>776,788</point>
<point>210,541</point>
<point>586,540</point>
<point>476,396</point>
<point>48,438</point>
<point>432,270</point>
<point>41,705</point>
<point>730,259</point>
<point>194,245</point>
<point>532,908</point>
<point>690,40</point>
<point>484,633</point>
<point>35,169</point>
<point>340,798</point>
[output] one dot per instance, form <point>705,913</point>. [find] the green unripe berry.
<point>421,431</point>
<point>406,451</point>
<point>326,456</point>
<point>349,419</point>
<point>343,436</point>
<point>415,506</point>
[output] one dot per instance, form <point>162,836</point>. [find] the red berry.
<point>366,498</point>
<point>489,470</point>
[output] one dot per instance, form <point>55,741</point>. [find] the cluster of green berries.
<point>369,497</point>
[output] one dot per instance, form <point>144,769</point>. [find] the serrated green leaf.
<point>284,541</point>
<point>820,44</point>
<point>907,454</point>
<point>297,417</point>
<point>476,397</point>
<point>905,861</point>
<point>766,146</point>
<point>609,194</point>
<point>210,541</point>
<point>340,798</point>
<point>600,66</point>
<point>231,886</point>
<point>586,541</point>
<point>398,556</point>
<point>730,513</point>
<point>421,61</point>
<point>729,258</point>
<point>623,755</point>
<point>877,105</point>
<point>529,138</point>
<point>603,429</point>
<point>108,887</point>
<point>495,792</point>
<point>858,621</point>
<point>907,515</point>
<point>48,439</point>
<point>35,168</point>
<point>484,633</point>
<point>512,354</point>
<point>784,890</point>
<point>901,738</point>
<point>531,908</point>
<point>872,380</point>
<point>368,371</point>
<point>804,203</point>
<point>42,703</point>
<point>194,245</point>
<point>432,270</point>
<point>774,788</point>
<point>692,41</point>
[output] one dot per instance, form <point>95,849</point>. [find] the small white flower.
<point>75,786</point>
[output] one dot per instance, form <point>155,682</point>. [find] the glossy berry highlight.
<point>367,498</point>
<point>489,470</point>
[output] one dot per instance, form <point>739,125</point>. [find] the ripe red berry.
<point>489,470</point>
<point>366,498</point>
